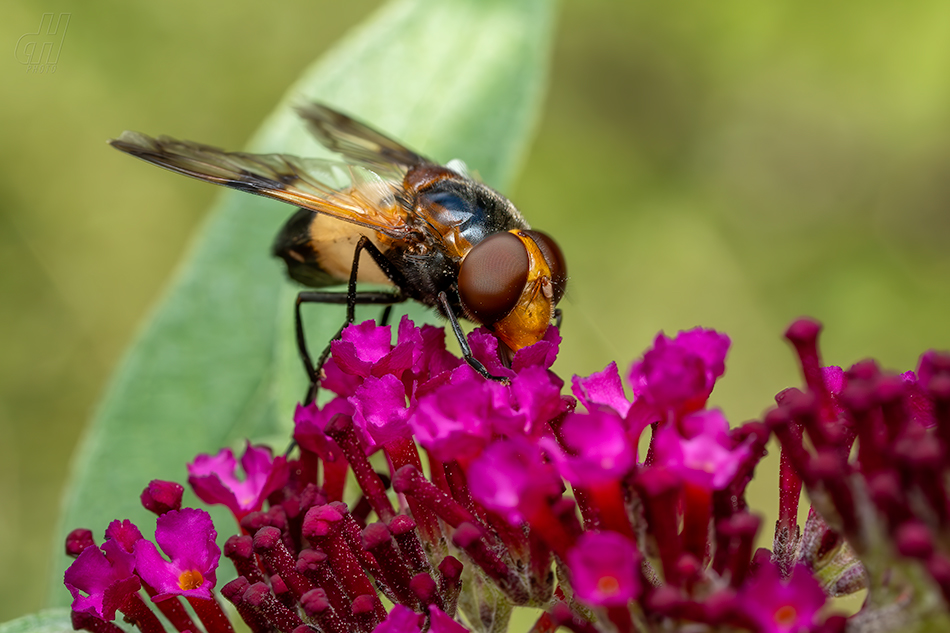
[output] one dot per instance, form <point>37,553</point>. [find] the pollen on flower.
<point>608,585</point>
<point>786,615</point>
<point>190,579</point>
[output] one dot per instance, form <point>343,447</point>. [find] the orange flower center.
<point>786,615</point>
<point>608,585</point>
<point>190,579</point>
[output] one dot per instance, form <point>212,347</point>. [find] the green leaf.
<point>46,621</point>
<point>216,362</point>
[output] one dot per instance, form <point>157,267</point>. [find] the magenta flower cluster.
<point>476,497</point>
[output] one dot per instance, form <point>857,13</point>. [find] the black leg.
<point>473,362</point>
<point>351,298</point>
<point>557,317</point>
<point>384,317</point>
<point>394,275</point>
<point>336,298</point>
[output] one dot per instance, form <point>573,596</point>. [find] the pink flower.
<point>380,410</point>
<point>214,480</point>
<point>310,422</point>
<point>677,375</point>
<point>706,456</point>
<point>484,346</point>
<point>456,420</point>
<point>439,622</point>
<point>781,607</point>
<point>366,349</point>
<point>536,392</point>
<point>604,569</point>
<point>125,533</point>
<point>541,354</point>
<point>400,620</point>
<point>187,537</point>
<point>512,478</point>
<point>106,575</point>
<point>602,388</point>
<point>435,359</point>
<point>599,450</point>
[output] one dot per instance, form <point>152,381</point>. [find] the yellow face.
<point>529,319</point>
<point>511,282</point>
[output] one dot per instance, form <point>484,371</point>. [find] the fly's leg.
<point>351,298</point>
<point>473,362</point>
<point>557,317</point>
<point>336,298</point>
<point>384,317</point>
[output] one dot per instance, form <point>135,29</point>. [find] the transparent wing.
<point>358,142</point>
<point>346,192</point>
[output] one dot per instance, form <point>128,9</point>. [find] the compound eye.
<point>493,276</point>
<point>555,260</point>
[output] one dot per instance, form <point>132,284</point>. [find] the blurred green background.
<point>732,165</point>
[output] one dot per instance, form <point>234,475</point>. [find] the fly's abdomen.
<point>318,250</point>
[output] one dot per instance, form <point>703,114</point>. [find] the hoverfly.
<point>438,236</point>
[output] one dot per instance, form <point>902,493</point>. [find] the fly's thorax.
<point>460,212</point>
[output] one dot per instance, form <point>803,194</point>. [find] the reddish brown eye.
<point>555,260</point>
<point>493,276</point>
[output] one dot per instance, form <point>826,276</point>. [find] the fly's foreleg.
<point>473,362</point>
